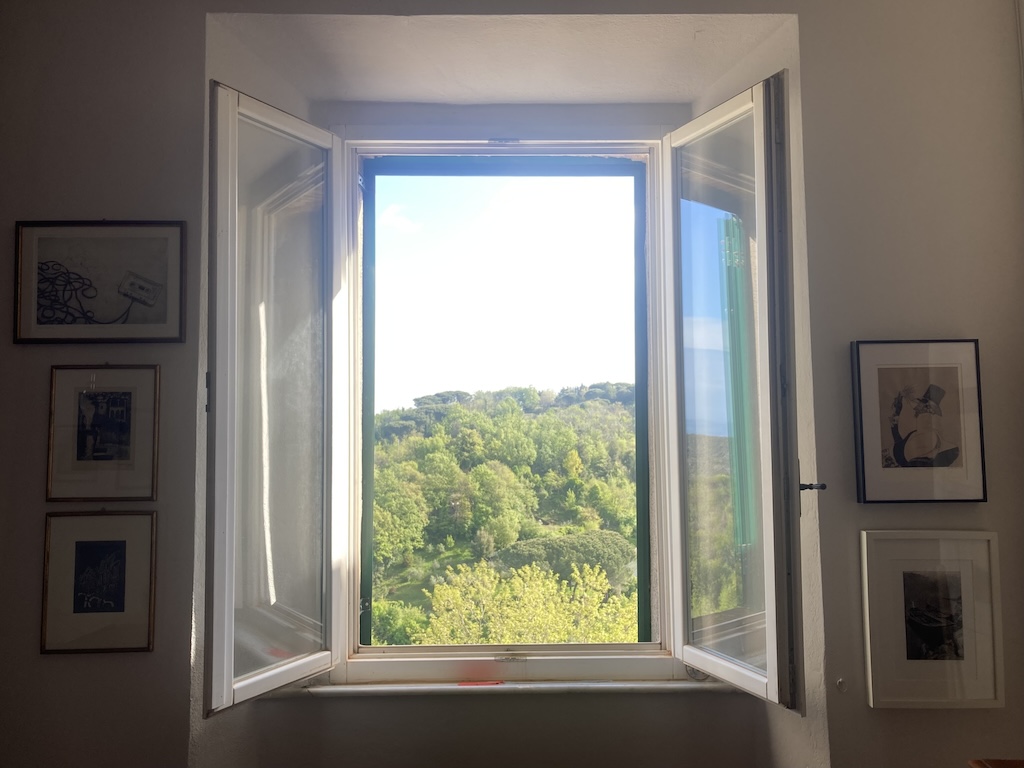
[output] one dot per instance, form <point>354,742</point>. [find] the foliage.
<point>395,623</point>
<point>476,605</point>
<point>605,549</point>
<point>399,512</point>
<point>715,573</point>
<point>542,485</point>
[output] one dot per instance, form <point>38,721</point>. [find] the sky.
<point>484,283</point>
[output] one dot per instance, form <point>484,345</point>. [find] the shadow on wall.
<point>494,730</point>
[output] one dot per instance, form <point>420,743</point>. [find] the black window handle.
<point>813,486</point>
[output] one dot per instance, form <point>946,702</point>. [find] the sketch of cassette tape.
<point>138,288</point>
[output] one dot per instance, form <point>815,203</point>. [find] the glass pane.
<point>504,492</point>
<point>718,281</point>
<point>280,401</point>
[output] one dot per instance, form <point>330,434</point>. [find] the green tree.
<point>510,443</point>
<point>448,493</point>
<point>395,623</point>
<point>715,567</point>
<point>399,513</point>
<point>476,605</point>
<point>502,503</point>
<point>608,550</point>
<point>614,500</point>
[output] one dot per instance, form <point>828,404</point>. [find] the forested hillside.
<point>508,517</point>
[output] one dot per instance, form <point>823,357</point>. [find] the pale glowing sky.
<point>492,282</point>
<point>484,283</point>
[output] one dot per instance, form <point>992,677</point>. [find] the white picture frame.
<point>932,621</point>
<point>103,433</point>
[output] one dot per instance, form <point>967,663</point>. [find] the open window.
<point>270,568</point>
<point>292,591</point>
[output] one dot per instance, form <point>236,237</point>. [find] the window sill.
<point>483,688</point>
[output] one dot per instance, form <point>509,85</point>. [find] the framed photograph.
<point>103,433</point>
<point>99,281</point>
<point>917,421</point>
<point>99,581</point>
<point>932,624</point>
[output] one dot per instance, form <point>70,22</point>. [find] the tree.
<point>399,512</point>
<point>501,502</point>
<point>395,623</point>
<point>510,444</point>
<point>607,550</point>
<point>476,605</point>
<point>715,576</point>
<point>448,494</point>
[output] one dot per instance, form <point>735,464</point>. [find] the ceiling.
<point>540,59</point>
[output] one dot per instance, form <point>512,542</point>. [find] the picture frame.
<point>99,582</point>
<point>99,281</point>
<point>932,620</point>
<point>104,430</point>
<point>917,421</point>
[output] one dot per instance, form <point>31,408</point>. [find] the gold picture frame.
<point>104,430</point>
<point>99,582</point>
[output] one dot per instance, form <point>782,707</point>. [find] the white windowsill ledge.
<point>433,689</point>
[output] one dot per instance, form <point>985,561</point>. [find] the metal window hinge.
<point>813,486</point>
<point>364,604</point>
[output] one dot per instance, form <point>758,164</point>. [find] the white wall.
<point>912,145</point>
<point>914,179</point>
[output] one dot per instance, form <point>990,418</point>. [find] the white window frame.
<point>669,657</point>
<point>563,662</point>
<point>224,689</point>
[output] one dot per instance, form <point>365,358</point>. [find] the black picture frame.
<point>99,281</point>
<point>918,421</point>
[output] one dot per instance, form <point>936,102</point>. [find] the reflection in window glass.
<point>280,411</point>
<point>722,482</point>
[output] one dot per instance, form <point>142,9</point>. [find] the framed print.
<point>103,433</point>
<point>99,281</point>
<point>99,581</point>
<point>917,421</point>
<point>932,624</point>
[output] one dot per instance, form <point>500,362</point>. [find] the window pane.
<point>505,462</point>
<point>723,501</point>
<point>280,413</point>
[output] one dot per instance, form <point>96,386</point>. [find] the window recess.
<point>713,416</point>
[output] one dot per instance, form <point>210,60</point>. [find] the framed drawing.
<point>99,581</point>
<point>917,421</point>
<point>103,433</point>
<point>99,281</point>
<point>932,625</point>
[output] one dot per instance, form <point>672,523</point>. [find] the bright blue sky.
<point>492,282</point>
<point>703,336</point>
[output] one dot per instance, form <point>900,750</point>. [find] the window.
<point>493,286</point>
<point>293,344</point>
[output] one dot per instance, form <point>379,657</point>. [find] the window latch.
<point>813,486</point>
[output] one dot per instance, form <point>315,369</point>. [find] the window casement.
<point>288,581</point>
